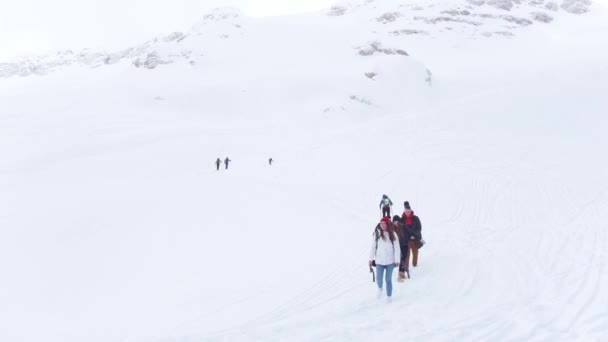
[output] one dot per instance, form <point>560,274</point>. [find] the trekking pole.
<point>371,270</point>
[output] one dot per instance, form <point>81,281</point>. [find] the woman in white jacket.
<point>385,250</point>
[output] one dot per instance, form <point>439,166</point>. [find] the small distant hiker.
<point>385,205</point>
<point>217,163</point>
<point>226,161</point>
<point>404,234</point>
<point>415,241</point>
<point>270,161</point>
<point>386,254</point>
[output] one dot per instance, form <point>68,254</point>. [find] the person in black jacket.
<point>404,233</point>
<point>414,242</point>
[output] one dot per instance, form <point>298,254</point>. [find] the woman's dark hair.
<point>399,229</point>
<point>391,232</point>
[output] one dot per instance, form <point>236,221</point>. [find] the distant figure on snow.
<point>270,161</point>
<point>386,253</point>
<point>385,205</point>
<point>226,161</point>
<point>412,223</point>
<point>217,163</point>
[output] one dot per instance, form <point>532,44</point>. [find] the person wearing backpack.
<point>404,234</point>
<point>385,205</point>
<point>412,222</point>
<point>386,254</point>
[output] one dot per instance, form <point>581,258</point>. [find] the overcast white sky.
<point>39,26</point>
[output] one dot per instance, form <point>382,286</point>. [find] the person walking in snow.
<point>412,222</point>
<point>217,163</point>
<point>385,205</point>
<point>270,161</point>
<point>404,234</point>
<point>226,161</point>
<point>386,253</point>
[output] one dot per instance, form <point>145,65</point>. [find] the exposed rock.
<point>175,36</point>
<point>361,100</point>
<point>407,32</point>
<point>221,14</point>
<point>429,77</point>
<point>436,20</point>
<point>576,6</point>
<point>450,12</point>
<point>501,4</point>
<point>476,2</point>
<point>151,61</point>
<point>519,21</point>
<point>542,17</point>
<point>337,11</point>
<point>376,47</point>
<point>552,6</point>
<point>370,75</point>
<point>486,16</point>
<point>388,17</point>
<point>454,12</point>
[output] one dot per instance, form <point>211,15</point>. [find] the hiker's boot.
<point>401,277</point>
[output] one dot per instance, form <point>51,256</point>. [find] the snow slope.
<point>116,227</point>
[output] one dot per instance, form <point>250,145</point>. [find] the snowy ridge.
<point>468,18</point>
<point>391,17</point>
<point>169,49</point>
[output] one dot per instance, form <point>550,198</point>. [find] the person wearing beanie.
<point>404,234</point>
<point>412,222</point>
<point>387,254</point>
<point>386,204</point>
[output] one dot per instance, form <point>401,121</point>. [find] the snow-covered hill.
<point>116,227</point>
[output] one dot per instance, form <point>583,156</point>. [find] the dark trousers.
<point>402,265</point>
<point>386,211</point>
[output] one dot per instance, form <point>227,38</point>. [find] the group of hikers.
<point>394,240</point>
<point>218,161</point>
<point>227,161</point>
